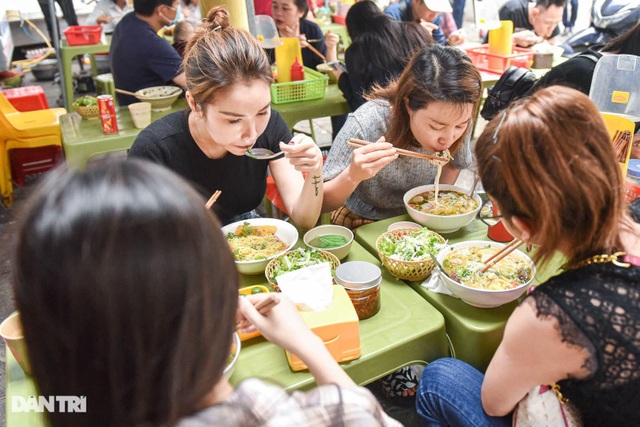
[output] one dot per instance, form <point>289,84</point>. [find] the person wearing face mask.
<point>429,109</point>
<point>140,58</point>
<point>533,22</point>
<point>227,79</point>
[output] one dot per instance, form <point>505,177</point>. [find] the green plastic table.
<point>405,331</point>
<point>333,104</point>
<point>82,139</point>
<point>67,53</point>
<point>475,333</point>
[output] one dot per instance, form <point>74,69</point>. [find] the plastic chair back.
<point>615,87</point>
<point>5,106</point>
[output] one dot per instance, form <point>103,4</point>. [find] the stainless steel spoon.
<point>262,154</point>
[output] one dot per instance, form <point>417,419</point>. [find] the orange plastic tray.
<point>248,291</point>
<point>494,63</point>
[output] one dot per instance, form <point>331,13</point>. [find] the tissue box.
<point>337,326</point>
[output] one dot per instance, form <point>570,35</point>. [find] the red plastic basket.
<point>494,63</point>
<point>631,190</point>
<point>78,35</point>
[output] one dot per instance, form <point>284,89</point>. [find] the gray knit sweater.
<point>381,196</point>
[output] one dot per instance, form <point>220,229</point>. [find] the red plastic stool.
<point>27,161</point>
<point>27,98</point>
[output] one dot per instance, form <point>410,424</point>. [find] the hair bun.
<point>217,18</point>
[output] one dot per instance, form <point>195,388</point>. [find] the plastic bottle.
<point>297,71</point>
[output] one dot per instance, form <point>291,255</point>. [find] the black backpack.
<point>514,84</point>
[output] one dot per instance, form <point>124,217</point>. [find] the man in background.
<point>68,13</point>
<point>533,22</point>
<point>428,13</point>
<point>140,58</point>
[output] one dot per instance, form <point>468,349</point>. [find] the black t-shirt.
<point>241,179</point>
<point>518,12</point>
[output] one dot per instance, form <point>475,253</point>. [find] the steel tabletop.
<point>474,332</point>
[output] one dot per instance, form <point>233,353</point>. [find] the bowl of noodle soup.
<point>255,242</point>
<point>454,209</point>
<point>504,282</point>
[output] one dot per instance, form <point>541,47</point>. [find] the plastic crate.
<point>494,63</point>
<point>313,86</point>
<point>78,35</point>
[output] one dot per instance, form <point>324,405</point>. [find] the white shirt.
<point>109,8</point>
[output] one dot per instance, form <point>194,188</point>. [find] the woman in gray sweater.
<point>429,109</point>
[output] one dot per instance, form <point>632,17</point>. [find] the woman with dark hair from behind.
<point>581,328</point>
<point>379,52</point>
<point>134,302</point>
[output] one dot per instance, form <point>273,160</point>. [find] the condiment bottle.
<point>297,71</point>
<point>361,280</point>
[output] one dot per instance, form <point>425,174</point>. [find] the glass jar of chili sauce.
<point>361,280</point>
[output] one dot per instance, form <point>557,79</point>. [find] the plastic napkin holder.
<point>337,326</point>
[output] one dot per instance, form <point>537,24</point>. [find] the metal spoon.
<point>262,154</point>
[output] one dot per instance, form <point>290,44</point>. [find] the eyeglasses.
<point>486,215</point>
<point>171,7</point>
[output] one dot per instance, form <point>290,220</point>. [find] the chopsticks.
<point>263,307</point>
<point>311,48</point>
<point>316,51</point>
<point>499,255</point>
<point>360,143</point>
<point>213,199</point>
<point>621,141</point>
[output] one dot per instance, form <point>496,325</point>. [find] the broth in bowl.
<point>448,203</point>
<point>464,265</point>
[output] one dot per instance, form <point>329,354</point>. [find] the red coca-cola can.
<point>107,114</point>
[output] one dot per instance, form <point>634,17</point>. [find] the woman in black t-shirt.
<point>228,78</point>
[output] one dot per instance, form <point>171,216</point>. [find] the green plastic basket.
<point>313,86</point>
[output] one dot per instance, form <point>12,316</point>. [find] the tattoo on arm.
<point>316,181</point>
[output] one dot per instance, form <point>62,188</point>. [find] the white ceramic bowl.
<point>160,97</point>
<point>481,297</point>
<point>284,231</point>
<point>440,223</point>
<point>323,230</point>
<point>235,348</point>
<point>403,224</point>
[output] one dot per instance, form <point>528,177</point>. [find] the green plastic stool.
<point>105,85</point>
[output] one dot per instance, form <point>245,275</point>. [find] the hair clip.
<point>217,28</point>
<point>496,133</point>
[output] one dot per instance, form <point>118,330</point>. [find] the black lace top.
<point>598,308</point>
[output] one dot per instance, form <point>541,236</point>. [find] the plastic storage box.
<point>78,35</point>
<point>494,63</point>
<point>615,87</point>
<point>313,86</point>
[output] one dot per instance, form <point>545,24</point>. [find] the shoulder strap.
<point>592,55</point>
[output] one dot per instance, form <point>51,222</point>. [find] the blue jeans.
<point>449,395</point>
<point>458,12</point>
<point>567,21</point>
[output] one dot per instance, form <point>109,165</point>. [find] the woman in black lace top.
<point>549,165</point>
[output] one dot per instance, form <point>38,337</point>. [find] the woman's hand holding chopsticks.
<point>367,160</point>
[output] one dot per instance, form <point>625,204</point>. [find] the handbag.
<point>545,406</point>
